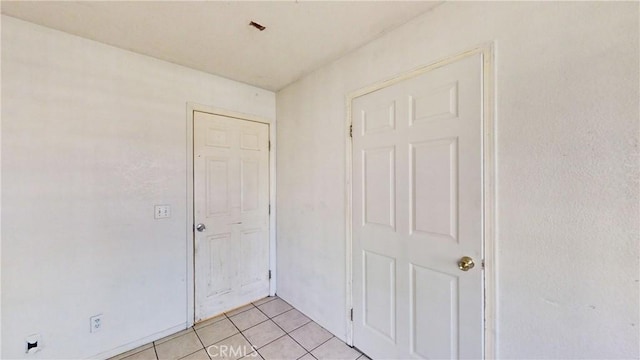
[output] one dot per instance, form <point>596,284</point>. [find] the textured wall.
<point>567,170</point>
<point>92,138</point>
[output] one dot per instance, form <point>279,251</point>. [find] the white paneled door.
<point>231,209</point>
<point>417,213</point>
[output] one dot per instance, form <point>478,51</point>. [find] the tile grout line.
<point>310,354</point>
<point>192,328</point>
<point>276,324</point>
<point>194,353</point>
<point>285,332</point>
<point>274,298</point>
<point>299,326</point>
<point>242,332</point>
<point>154,350</point>
<point>270,342</point>
<point>201,342</point>
<point>292,330</point>
<point>331,338</point>
<point>220,339</point>
<point>324,342</point>
<point>255,349</point>
<point>252,326</point>
<point>172,336</point>
<point>239,312</point>
<point>130,353</point>
<point>232,323</point>
<point>310,321</point>
<point>177,337</point>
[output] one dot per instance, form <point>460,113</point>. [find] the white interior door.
<point>231,209</point>
<point>417,210</point>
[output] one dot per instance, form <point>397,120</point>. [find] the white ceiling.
<point>214,36</point>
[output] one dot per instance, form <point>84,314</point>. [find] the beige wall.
<point>567,170</point>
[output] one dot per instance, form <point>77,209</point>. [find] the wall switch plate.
<point>162,211</point>
<point>32,343</point>
<point>95,323</point>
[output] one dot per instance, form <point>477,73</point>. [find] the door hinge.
<point>269,274</point>
<point>351,314</point>
<point>351,130</point>
<point>269,209</point>
<point>269,145</point>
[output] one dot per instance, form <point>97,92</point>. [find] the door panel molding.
<point>488,180</point>
<point>216,140</point>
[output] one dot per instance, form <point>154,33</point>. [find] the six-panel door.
<point>231,201</point>
<point>417,209</point>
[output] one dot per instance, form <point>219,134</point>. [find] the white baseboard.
<point>145,340</point>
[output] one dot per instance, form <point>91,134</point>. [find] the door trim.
<point>190,270</point>
<point>488,179</point>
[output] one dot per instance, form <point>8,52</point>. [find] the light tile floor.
<point>266,329</point>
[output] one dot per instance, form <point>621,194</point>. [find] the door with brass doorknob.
<point>417,215</point>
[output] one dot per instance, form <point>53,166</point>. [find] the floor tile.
<point>179,347</point>
<point>275,307</point>
<point>364,357</point>
<point>147,354</point>
<point>198,355</point>
<point>210,321</point>
<point>249,318</point>
<point>291,320</point>
<point>217,331</point>
<point>311,335</point>
<point>131,352</point>
<point>282,349</point>
<point>335,349</point>
<point>272,326</point>
<point>239,310</point>
<point>173,336</point>
<point>253,356</point>
<point>231,348</point>
<point>263,334</point>
<point>264,300</point>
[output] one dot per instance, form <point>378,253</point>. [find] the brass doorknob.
<point>466,263</point>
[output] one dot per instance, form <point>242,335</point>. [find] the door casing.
<point>488,185</point>
<point>190,283</point>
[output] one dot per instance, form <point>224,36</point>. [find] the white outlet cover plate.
<point>96,323</point>
<point>162,211</point>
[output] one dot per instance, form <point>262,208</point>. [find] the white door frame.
<point>190,283</point>
<point>488,166</point>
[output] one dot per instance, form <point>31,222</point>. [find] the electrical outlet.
<point>33,344</point>
<point>96,323</point>
<point>162,211</point>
